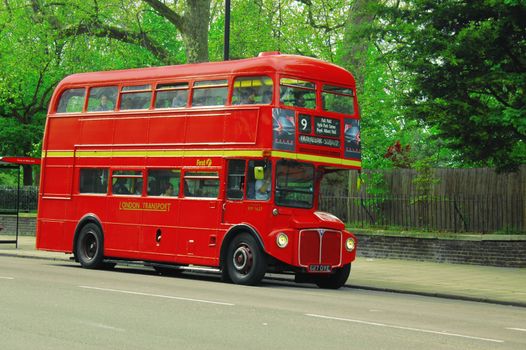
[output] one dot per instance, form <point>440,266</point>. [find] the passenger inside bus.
<point>186,189</point>
<point>267,97</point>
<point>104,104</point>
<point>179,99</point>
<point>119,187</point>
<point>299,100</point>
<point>263,187</point>
<point>259,189</point>
<point>169,191</point>
<point>248,96</point>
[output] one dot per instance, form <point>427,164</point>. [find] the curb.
<point>29,256</point>
<point>440,295</point>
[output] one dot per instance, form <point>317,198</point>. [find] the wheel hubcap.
<point>243,259</point>
<point>90,246</point>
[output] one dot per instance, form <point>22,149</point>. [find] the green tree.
<point>465,67</point>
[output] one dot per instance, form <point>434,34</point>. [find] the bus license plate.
<point>319,268</point>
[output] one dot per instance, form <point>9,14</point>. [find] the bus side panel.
<point>50,232</point>
<point>130,131</point>
<point>242,126</point>
<point>159,232</point>
<point>205,128</point>
<point>97,131</point>
<point>159,132</point>
<point>199,231</point>
<point>57,180</point>
<point>61,132</point>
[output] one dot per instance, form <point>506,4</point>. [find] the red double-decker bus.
<point>211,164</point>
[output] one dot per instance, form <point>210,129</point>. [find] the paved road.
<point>57,305</point>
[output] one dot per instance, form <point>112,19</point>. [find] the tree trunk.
<point>28,175</point>
<point>355,43</point>
<point>195,30</point>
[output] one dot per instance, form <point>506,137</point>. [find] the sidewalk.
<point>470,282</point>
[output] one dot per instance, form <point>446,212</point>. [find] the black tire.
<point>246,262</point>
<point>89,248</point>
<point>334,280</point>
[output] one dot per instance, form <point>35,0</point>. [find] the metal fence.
<point>455,213</point>
<point>28,199</point>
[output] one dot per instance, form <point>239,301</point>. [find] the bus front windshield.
<point>294,184</point>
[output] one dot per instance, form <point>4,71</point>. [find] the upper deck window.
<point>173,95</point>
<point>297,93</point>
<point>252,90</point>
<point>136,97</point>
<point>102,99</point>
<point>71,101</point>
<point>210,93</point>
<point>337,99</point>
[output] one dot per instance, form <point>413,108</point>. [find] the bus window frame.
<point>88,94</point>
<point>352,95</point>
<point>156,90</point>
<point>193,88</point>
<point>127,176</point>
<point>67,88</point>
<point>147,171</point>
<point>315,89</point>
<point>78,179</point>
<point>190,170</point>
<point>123,92</point>
<point>263,75</point>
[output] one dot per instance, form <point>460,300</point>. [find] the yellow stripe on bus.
<point>203,153</point>
<point>314,158</point>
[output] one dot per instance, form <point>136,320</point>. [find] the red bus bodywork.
<point>202,142</point>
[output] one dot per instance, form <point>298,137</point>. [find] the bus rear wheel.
<point>335,280</point>
<point>246,262</point>
<point>89,247</point>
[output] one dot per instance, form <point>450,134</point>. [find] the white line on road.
<point>102,326</point>
<point>517,329</point>
<point>6,278</point>
<point>405,328</point>
<point>157,295</point>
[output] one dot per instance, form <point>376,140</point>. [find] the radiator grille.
<point>318,246</point>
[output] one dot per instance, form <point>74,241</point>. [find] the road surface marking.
<point>6,278</point>
<point>517,329</point>
<point>156,295</point>
<point>103,326</point>
<point>405,328</point>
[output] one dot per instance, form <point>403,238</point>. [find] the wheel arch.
<point>86,219</point>
<point>232,232</point>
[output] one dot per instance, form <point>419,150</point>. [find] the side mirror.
<point>259,173</point>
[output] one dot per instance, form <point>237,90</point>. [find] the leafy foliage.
<point>465,68</point>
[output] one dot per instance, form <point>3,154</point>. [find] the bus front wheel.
<point>89,247</point>
<point>246,262</point>
<point>334,280</point>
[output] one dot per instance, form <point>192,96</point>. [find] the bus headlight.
<point>350,244</point>
<point>282,240</point>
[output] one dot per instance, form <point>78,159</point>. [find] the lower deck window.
<point>127,182</point>
<point>201,184</point>
<point>93,181</point>
<point>163,182</point>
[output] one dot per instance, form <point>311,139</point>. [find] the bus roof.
<point>267,62</point>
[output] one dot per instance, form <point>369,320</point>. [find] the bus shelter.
<point>15,163</point>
